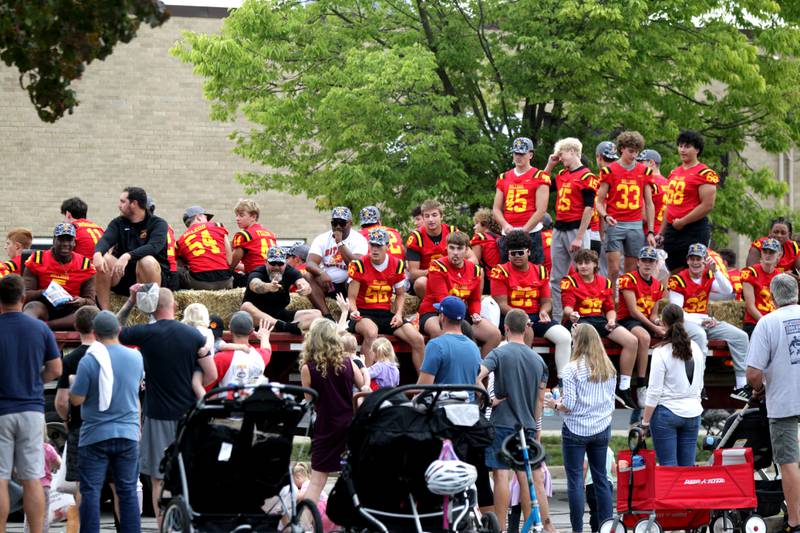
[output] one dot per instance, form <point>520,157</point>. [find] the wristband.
<point>605,217</point>
<point>651,232</point>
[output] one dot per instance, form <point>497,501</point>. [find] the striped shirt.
<point>590,403</point>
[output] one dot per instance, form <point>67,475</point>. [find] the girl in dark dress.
<point>327,369</point>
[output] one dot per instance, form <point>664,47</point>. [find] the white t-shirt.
<point>332,261</point>
<point>669,385</point>
<point>775,350</point>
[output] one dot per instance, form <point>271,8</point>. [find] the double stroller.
<point>231,453</point>
<point>392,442</point>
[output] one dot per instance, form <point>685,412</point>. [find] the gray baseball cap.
<point>192,212</point>
<point>649,155</point>
<point>607,149</point>
<point>105,324</point>
<point>300,251</point>
<point>241,323</point>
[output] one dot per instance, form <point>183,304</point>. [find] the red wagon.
<point>657,498</point>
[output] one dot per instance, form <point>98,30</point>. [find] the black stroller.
<point>749,428</point>
<point>392,441</point>
<point>231,453</point>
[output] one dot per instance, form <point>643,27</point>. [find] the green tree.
<point>51,41</point>
<point>389,101</point>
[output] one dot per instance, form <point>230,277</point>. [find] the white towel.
<point>105,384</point>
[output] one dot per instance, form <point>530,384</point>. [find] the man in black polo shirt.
<point>267,294</point>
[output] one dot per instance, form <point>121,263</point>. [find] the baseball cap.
<point>697,249</point>
<point>341,213</point>
<point>276,254</point>
<point>369,215</point>
<point>216,325</point>
<point>300,251</point>
<point>147,298</point>
<point>151,204</point>
<point>64,228</point>
<point>192,212</point>
<point>522,145</point>
<point>648,252</point>
<point>607,150</point>
<point>378,236</point>
<point>771,244</point>
<point>241,323</point>
<point>649,155</point>
<point>452,307</point>
<point>105,324</point>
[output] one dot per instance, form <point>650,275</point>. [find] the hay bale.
<point>222,303</point>
<point>729,311</point>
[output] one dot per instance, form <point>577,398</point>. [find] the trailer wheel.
<point>607,526</point>
<point>721,524</point>
<point>755,524</point>
<point>641,527</point>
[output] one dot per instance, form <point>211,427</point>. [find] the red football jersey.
<point>519,194</point>
<point>490,253</point>
<point>790,252</point>
<point>647,294</point>
<point>171,259</point>
<point>760,281</point>
<point>71,275</point>
<point>594,223</point>
<point>523,289</point>
<point>255,241</point>
<point>444,279</point>
<point>202,247</point>
<point>547,242</point>
<point>594,298</point>
<point>735,275</point>
<point>683,191</point>
<point>12,266</point>
<point>375,288</point>
<point>87,233</point>
<point>395,246</point>
<point>695,295</point>
<point>625,197</point>
<point>420,242</point>
<point>569,203</point>
<point>658,186</point>
<point>301,267</point>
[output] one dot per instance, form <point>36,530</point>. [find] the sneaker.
<point>742,394</point>
<point>625,397</point>
<point>641,396</point>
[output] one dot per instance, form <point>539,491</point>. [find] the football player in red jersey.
<point>172,260</point>
<point>547,242</point>
<point>640,293</point>
<point>17,241</point>
<point>520,284</point>
<point>62,266</point>
<point>205,252</point>
<point>689,197</point>
<point>755,285</point>
<point>520,199</point>
<point>728,257</point>
<point>780,230</point>
<point>370,217</point>
<point>458,276</point>
<point>373,281</point>
<point>296,258</point>
<point>251,243</point>
<point>622,197</point>
<point>576,186</point>
<point>658,186</point>
<point>691,288</point>
<point>87,233</point>
<point>588,297</point>
<point>605,153</point>
<point>484,243</point>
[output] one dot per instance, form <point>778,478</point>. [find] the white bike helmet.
<point>450,477</point>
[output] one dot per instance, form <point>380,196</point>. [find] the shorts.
<point>54,313</point>
<point>279,313</point>
<point>629,323</point>
<point>537,251</point>
<point>625,237</point>
<point>424,318</point>
<point>676,243</point>
<point>539,327</point>
<point>157,435</point>
<point>381,317</point>
<point>21,445</point>
<point>783,435</point>
<point>123,287</point>
<point>73,439</point>
<point>493,461</point>
<point>598,322</point>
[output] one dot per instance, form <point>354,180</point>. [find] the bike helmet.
<point>447,477</point>
<point>511,452</point>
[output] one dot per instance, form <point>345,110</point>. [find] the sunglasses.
<point>276,263</point>
<point>517,253</point>
<point>338,222</point>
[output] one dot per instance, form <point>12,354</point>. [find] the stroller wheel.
<point>489,523</point>
<point>607,526</point>
<point>721,524</point>
<point>755,524</point>
<point>641,527</point>
<point>177,518</point>
<point>307,519</point>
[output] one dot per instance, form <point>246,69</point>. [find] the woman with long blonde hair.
<point>587,404</point>
<point>326,368</point>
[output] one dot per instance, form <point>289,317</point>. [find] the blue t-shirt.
<point>25,345</point>
<point>121,419</point>
<point>453,359</point>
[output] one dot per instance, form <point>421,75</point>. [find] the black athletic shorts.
<point>123,288</point>
<point>676,243</point>
<point>629,323</point>
<point>598,322</point>
<point>381,317</point>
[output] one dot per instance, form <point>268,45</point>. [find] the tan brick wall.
<point>142,121</point>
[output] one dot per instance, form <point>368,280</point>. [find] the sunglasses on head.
<point>276,263</point>
<point>517,253</point>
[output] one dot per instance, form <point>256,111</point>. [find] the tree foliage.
<point>393,101</point>
<point>51,41</point>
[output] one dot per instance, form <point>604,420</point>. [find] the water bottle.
<point>547,410</point>
<point>556,393</point>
